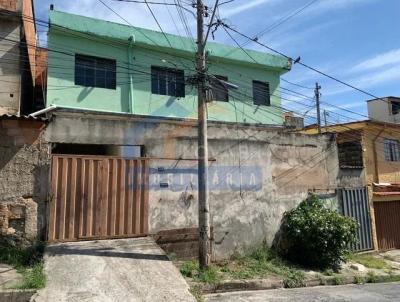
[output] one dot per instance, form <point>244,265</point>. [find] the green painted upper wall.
<point>70,34</point>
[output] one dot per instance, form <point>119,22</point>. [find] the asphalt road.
<point>381,292</point>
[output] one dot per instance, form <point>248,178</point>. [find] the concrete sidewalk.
<point>111,270</point>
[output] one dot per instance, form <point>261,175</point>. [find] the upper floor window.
<point>261,95</point>
<point>391,149</point>
<point>95,72</point>
<point>167,81</point>
<point>395,107</point>
<point>218,89</point>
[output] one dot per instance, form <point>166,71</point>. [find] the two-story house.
<point>110,67</point>
<point>369,155</point>
<point>122,106</point>
<point>23,169</point>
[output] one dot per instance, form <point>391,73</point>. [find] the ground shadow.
<point>102,252</point>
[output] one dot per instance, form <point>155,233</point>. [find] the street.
<point>366,293</point>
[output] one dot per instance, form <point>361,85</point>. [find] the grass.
<point>369,261</point>
<point>28,262</point>
<point>197,293</point>
<point>371,277</point>
<point>338,280</point>
<point>260,263</point>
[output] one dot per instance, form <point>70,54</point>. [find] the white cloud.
<point>379,77</point>
<point>380,60</point>
<point>241,8</point>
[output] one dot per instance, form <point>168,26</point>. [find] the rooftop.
<point>151,39</point>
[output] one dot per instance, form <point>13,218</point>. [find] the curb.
<point>239,285</point>
<point>16,295</point>
<point>267,284</point>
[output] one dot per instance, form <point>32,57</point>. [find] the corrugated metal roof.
<point>23,117</point>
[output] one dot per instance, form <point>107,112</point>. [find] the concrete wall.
<point>381,110</point>
<point>23,179</point>
<point>278,169</point>
<point>10,86</point>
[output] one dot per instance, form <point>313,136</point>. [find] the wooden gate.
<point>387,220</point>
<point>97,197</point>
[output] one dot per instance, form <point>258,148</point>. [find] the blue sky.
<point>357,41</point>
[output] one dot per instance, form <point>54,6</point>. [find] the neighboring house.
<point>369,155</point>
<point>23,178</point>
<point>18,58</point>
<point>110,67</point>
<point>385,109</point>
<point>23,154</point>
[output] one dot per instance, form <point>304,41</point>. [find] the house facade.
<point>109,67</point>
<point>23,153</point>
<point>369,155</point>
<point>18,52</point>
<point>116,155</point>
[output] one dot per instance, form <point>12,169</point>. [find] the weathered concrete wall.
<point>278,170</point>
<point>23,179</point>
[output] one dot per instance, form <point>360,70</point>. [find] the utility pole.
<point>204,207</point>
<point>317,96</point>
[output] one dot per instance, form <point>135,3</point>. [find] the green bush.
<point>315,236</point>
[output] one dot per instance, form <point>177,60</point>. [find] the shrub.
<point>315,236</point>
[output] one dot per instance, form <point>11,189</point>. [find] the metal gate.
<point>354,203</point>
<point>97,197</point>
<point>387,220</point>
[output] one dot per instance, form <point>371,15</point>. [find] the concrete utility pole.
<point>204,207</point>
<point>317,96</point>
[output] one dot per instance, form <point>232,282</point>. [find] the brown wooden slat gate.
<point>97,197</point>
<point>387,220</point>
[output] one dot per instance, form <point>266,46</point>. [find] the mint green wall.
<point>63,92</point>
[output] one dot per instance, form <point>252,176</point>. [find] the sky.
<point>357,41</point>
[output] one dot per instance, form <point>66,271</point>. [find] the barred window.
<point>261,94</point>
<point>350,155</point>
<point>218,89</point>
<point>391,149</point>
<point>95,72</point>
<point>167,81</point>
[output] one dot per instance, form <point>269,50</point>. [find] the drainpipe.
<point>45,110</point>
<point>130,61</point>
<point>376,156</point>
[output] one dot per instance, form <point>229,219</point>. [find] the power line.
<point>303,64</point>
<point>276,24</point>
<point>295,84</point>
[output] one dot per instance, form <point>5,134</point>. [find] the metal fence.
<point>354,203</point>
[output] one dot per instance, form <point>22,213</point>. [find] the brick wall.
<point>23,179</point>
<point>8,5</point>
<point>30,34</point>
